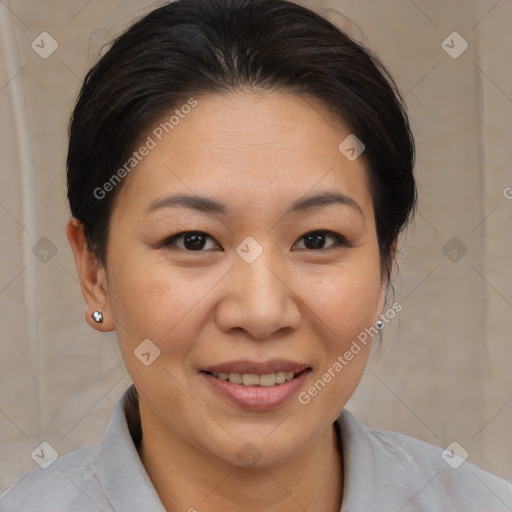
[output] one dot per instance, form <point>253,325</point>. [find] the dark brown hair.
<point>192,47</point>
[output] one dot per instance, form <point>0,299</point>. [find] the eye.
<point>192,241</point>
<point>317,240</point>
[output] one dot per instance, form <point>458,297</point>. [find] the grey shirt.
<point>383,472</point>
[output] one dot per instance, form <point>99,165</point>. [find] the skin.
<point>257,153</point>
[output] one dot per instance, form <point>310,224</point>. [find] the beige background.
<point>444,371</point>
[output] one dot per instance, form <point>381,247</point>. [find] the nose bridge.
<point>260,286</point>
<point>258,299</point>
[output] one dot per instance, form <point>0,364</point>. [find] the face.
<point>243,246</point>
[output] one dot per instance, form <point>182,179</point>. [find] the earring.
<point>379,324</point>
<point>98,316</point>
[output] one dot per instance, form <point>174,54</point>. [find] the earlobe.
<point>92,277</point>
<point>99,319</point>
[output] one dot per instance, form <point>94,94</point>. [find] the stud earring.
<point>379,324</point>
<point>98,316</point>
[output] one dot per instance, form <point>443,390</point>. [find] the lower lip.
<point>257,398</point>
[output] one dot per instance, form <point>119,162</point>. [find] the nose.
<point>258,300</point>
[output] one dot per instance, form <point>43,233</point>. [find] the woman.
<point>238,174</point>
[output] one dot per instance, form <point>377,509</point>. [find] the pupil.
<point>194,242</point>
<point>315,241</point>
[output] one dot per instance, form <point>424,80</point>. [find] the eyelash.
<point>339,240</point>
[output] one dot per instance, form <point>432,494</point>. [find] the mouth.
<point>256,386</point>
<point>254,379</point>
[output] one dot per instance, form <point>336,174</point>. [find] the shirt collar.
<point>129,488</point>
<point>123,476</point>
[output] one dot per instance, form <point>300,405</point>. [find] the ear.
<point>92,275</point>
<point>386,277</point>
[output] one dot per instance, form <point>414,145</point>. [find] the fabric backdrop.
<point>443,373</point>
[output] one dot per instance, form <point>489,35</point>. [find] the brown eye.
<point>317,240</point>
<point>192,241</point>
<point>314,241</point>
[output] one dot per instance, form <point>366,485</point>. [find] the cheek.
<point>346,308</point>
<point>165,305</point>
<point>145,295</point>
<point>151,306</point>
<point>345,302</point>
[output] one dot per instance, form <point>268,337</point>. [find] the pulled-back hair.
<point>188,48</point>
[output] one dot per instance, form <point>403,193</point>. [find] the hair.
<point>194,47</point>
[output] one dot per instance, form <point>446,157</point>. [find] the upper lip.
<point>273,366</point>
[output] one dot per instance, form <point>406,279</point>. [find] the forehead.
<point>252,146</point>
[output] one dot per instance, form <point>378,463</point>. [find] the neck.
<point>187,479</point>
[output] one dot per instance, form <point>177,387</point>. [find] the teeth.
<point>280,377</point>
<point>252,379</point>
<point>269,379</point>
<point>236,378</point>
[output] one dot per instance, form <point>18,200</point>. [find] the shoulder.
<point>70,483</point>
<point>107,476</point>
<point>406,470</point>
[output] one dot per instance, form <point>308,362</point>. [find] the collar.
<point>129,488</point>
<point>123,476</point>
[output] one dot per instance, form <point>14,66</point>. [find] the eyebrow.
<point>324,199</point>
<point>202,204</point>
<point>214,207</point>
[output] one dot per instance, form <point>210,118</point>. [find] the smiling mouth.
<point>253,379</point>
